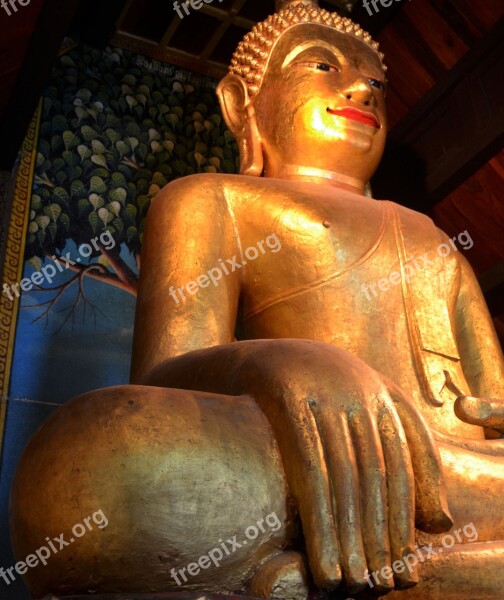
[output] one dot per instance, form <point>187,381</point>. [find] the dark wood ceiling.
<point>425,40</point>
<point>202,41</point>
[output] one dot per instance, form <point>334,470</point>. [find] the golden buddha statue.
<point>345,430</point>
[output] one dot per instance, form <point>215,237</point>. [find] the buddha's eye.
<point>377,84</point>
<point>320,66</point>
<point>325,67</point>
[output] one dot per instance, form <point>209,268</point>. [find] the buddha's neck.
<point>314,175</point>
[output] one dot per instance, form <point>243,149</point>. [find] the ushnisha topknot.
<point>251,56</point>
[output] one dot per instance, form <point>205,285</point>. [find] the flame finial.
<point>281,4</point>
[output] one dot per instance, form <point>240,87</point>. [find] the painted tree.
<point>112,134</point>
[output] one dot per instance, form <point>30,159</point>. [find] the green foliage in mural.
<point>112,134</point>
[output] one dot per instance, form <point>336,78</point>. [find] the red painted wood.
<point>15,33</point>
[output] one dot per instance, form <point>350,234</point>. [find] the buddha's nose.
<point>359,90</point>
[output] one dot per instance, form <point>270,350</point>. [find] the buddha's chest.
<point>349,264</point>
<point>319,237</point>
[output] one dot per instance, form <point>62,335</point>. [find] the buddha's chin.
<point>354,153</point>
<point>360,141</point>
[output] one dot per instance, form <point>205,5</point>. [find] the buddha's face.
<point>321,103</point>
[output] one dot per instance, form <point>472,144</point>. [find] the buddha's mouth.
<point>355,115</point>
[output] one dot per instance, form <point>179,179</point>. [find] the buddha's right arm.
<point>182,339</point>
<point>481,356</point>
<point>186,301</point>
<point>480,352</point>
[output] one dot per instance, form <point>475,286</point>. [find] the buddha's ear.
<point>239,114</point>
<point>234,98</point>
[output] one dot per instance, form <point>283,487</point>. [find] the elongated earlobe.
<point>249,145</point>
<point>239,115</point>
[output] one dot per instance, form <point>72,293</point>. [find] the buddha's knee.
<point>146,481</point>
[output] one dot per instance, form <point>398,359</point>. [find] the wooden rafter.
<point>428,155</point>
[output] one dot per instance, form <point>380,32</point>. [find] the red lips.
<point>356,115</point>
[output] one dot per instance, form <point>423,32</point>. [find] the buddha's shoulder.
<point>207,190</point>
<point>408,213</point>
<point>199,186</point>
<point>421,229</point>
<point>412,219</point>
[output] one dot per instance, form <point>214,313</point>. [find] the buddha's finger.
<point>401,496</point>
<point>431,503</point>
<point>373,494</point>
<point>307,475</point>
<point>342,467</point>
<point>486,412</point>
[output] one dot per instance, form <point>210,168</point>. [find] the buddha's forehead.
<point>306,36</point>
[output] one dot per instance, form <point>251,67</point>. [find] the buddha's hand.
<point>353,447</point>
<point>485,412</point>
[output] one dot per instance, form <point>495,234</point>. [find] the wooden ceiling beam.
<point>454,130</point>
<point>219,33</point>
<point>376,21</point>
<point>170,55</point>
<point>169,33</point>
<point>232,16</point>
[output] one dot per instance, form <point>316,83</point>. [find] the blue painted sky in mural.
<point>51,365</point>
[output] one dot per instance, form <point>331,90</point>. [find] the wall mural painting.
<point>112,129</point>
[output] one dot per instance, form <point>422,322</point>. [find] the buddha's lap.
<point>159,463</point>
<point>153,444</point>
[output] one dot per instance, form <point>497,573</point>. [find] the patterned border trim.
<point>14,261</point>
